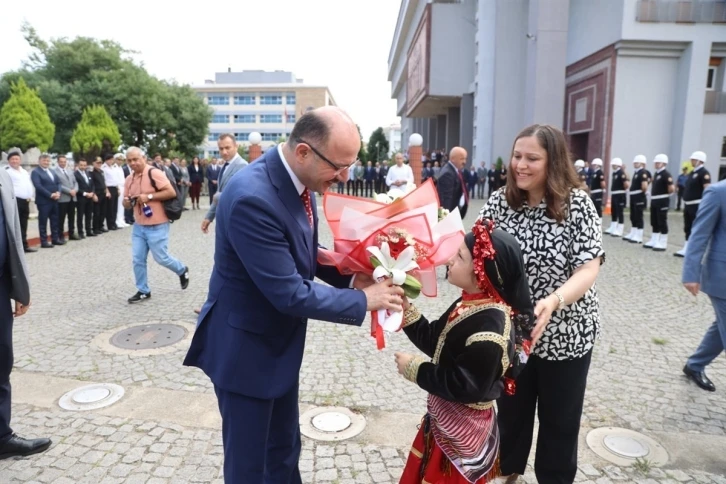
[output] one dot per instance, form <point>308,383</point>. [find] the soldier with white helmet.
<point>638,189</point>
<point>618,188</point>
<point>597,185</point>
<point>697,182</point>
<point>582,173</point>
<point>661,192</point>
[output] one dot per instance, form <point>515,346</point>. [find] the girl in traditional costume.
<point>476,348</point>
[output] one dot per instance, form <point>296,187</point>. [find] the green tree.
<point>95,134</point>
<point>362,155</point>
<point>378,146</point>
<point>244,151</point>
<point>500,163</point>
<point>24,120</point>
<point>72,74</point>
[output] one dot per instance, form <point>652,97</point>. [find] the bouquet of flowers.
<point>394,193</point>
<point>403,239</point>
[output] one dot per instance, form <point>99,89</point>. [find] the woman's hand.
<point>402,361</point>
<point>405,303</point>
<point>543,312</point>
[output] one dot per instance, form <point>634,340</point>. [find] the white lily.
<point>382,198</point>
<point>395,268</point>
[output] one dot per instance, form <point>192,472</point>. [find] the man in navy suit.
<point>251,330</point>
<point>47,192</point>
<point>704,269</point>
<point>370,178</point>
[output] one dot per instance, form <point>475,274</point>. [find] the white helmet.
<point>640,159</point>
<point>661,158</point>
<point>699,155</point>
<point>616,162</point>
<point>596,162</point>
<point>579,164</point>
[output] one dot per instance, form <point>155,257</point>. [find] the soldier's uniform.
<point>596,190</point>
<point>617,198</point>
<point>659,206</point>
<point>638,201</point>
<point>695,185</point>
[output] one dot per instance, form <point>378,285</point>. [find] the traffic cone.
<point>607,207</point>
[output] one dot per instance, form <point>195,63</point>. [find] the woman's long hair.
<point>560,175</point>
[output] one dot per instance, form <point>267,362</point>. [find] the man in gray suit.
<point>704,269</point>
<point>14,285</point>
<point>67,200</point>
<point>233,162</point>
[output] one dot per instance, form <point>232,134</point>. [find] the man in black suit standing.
<point>451,186</point>
<point>370,177</point>
<point>85,198</point>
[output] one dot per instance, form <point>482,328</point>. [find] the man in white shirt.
<point>24,192</point>
<point>399,175</point>
<point>112,184</point>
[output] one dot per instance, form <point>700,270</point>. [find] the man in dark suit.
<point>451,187</point>
<point>84,198</point>
<point>14,285</point>
<point>47,193</point>
<point>212,175</point>
<point>370,178</point>
<point>251,331</point>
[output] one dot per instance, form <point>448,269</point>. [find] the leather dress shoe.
<point>29,250</point>
<point>700,379</point>
<point>75,237</point>
<point>59,242</point>
<point>18,446</point>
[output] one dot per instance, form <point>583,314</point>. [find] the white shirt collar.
<point>698,168</point>
<point>295,181</point>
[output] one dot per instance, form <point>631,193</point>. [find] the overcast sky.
<point>338,43</point>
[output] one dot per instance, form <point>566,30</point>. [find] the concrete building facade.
<point>266,102</point>
<point>621,77</point>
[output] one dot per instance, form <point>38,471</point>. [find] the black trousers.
<point>99,211</point>
<point>369,188</point>
<point>6,356</point>
<point>598,204</point>
<point>23,215</point>
<point>350,187</point>
<point>680,197</point>
<point>557,390</point>
<point>359,188</point>
<point>617,203</point>
<point>112,208</point>
<point>85,215</point>
<point>67,209</point>
<point>48,212</point>
<point>659,215</point>
<point>689,215</point>
<point>637,207</point>
<point>212,191</point>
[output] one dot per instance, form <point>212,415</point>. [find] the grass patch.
<point>660,341</point>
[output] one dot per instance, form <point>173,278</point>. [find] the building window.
<point>711,78</point>
<point>213,136</point>
<point>242,136</point>
<point>723,148</point>
<point>214,154</point>
<point>270,99</point>
<point>290,99</point>
<point>220,118</point>
<point>270,118</point>
<point>581,110</point>
<point>244,118</point>
<point>271,136</point>
<point>290,118</point>
<point>246,100</point>
<point>218,100</point>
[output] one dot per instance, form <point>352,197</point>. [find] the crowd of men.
<point>642,186</point>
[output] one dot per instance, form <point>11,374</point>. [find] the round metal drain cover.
<point>91,397</point>
<point>624,446</point>
<point>148,336</point>
<point>331,422</point>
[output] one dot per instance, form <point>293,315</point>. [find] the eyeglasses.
<point>338,169</point>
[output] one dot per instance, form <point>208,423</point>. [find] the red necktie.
<point>305,197</point>
<point>463,186</point>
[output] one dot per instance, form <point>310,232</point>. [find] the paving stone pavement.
<point>650,325</point>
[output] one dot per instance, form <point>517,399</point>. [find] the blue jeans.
<point>154,238</point>
<point>714,341</point>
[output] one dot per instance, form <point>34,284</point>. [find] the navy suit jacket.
<point>705,260</point>
<point>44,186</point>
<point>250,335</point>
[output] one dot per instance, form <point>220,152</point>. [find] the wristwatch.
<point>561,300</point>
<point>151,196</point>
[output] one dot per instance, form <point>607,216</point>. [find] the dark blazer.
<point>369,174</point>
<point>99,182</point>
<point>196,173</point>
<point>177,173</point>
<point>84,187</point>
<point>449,187</point>
<point>251,330</point>
<point>212,173</point>
<point>45,186</point>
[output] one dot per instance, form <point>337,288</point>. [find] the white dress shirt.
<point>110,175</point>
<point>396,173</point>
<point>295,180</point>
<point>22,184</point>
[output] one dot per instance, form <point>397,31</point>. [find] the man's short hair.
<point>15,152</point>
<point>107,156</point>
<point>44,156</point>
<point>311,128</point>
<point>227,135</point>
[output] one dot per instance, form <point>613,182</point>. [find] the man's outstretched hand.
<point>384,295</point>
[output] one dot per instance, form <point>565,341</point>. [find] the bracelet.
<point>560,299</point>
